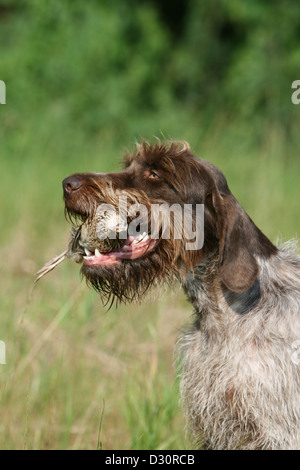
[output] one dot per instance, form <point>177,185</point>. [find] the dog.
<point>238,362</point>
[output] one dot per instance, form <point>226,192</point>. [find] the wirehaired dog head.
<point>168,175</point>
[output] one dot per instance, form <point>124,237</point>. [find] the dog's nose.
<point>70,184</point>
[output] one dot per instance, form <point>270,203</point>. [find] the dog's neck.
<point>205,289</point>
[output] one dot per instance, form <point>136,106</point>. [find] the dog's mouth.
<point>94,246</point>
<point>133,248</point>
<point>85,247</point>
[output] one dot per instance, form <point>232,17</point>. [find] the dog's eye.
<point>153,175</point>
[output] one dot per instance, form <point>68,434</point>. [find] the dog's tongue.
<point>131,252</point>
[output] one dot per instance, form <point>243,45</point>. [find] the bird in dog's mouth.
<point>104,239</point>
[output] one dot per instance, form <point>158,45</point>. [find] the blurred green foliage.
<point>110,64</point>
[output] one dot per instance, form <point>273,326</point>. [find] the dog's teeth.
<point>88,252</point>
<point>125,246</point>
<point>97,253</point>
<point>141,238</point>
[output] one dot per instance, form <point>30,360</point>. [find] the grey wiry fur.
<point>240,385</point>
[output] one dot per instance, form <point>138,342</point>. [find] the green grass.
<point>66,356</point>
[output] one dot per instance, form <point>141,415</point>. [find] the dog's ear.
<point>236,232</point>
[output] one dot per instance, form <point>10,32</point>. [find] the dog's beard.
<point>123,267</point>
<point>141,262</point>
<point>128,267</point>
<point>131,279</point>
